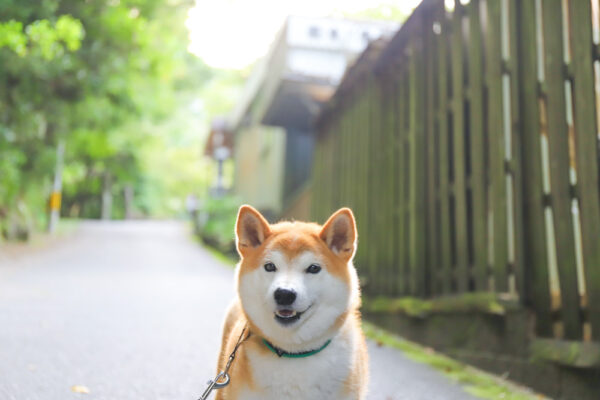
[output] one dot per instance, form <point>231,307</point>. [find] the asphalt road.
<point>133,310</point>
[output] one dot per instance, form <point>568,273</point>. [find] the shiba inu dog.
<point>298,299</point>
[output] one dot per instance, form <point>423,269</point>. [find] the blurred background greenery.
<point>114,81</point>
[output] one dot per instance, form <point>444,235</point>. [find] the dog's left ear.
<point>339,233</point>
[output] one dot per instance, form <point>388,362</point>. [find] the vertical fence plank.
<point>346,149</point>
<point>342,149</point>
<point>391,168</point>
<point>442,71</point>
<point>401,239</point>
<point>365,145</point>
<point>407,172</point>
<point>351,166</point>
<point>354,165</point>
<point>382,176</point>
<point>339,148</point>
<point>559,167</point>
<point>315,178</point>
<point>384,172</point>
<point>332,165</point>
<point>587,153</point>
<point>324,195</point>
<point>378,121</point>
<point>333,179</point>
<point>496,145</point>
<point>417,230</point>
<point>374,217</point>
<point>393,144</point>
<point>432,250</point>
<point>383,185</point>
<point>459,154</point>
<point>516,148</point>
<point>477,150</point>
<point>334,183</point>
<point>358,209</point>
<point>371,186</point>
<point>535,230</point>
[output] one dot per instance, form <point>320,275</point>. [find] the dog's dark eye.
<point>313,269</point>
<point>270,267</point>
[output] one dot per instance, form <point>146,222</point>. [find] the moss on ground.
<point>489,303</point>
<point>475,382</point>
<point>565,352</point>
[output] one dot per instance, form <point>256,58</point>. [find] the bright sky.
<point>234,33</point>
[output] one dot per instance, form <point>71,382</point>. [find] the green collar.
<point>283,353</point>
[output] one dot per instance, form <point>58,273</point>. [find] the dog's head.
<point>296,280</point>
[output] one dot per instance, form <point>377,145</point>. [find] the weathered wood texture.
<point>468,148</point>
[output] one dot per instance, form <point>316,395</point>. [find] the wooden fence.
<point>468,148</point>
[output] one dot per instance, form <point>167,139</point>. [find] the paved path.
<point>133,310</point>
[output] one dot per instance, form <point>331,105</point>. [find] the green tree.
<point>102,76</point>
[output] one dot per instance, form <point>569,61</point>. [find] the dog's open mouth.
<point>288,316</point>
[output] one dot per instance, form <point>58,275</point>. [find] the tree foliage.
<point>110,79</point>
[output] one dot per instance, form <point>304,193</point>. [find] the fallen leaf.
<point>80,389</point>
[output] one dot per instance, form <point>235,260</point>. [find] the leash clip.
<point>215,384</point>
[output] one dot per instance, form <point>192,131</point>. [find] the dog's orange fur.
<point>292,238</point>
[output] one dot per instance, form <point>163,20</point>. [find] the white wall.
<point>323,47</point>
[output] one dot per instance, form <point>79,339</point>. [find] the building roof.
<point>302,69</point>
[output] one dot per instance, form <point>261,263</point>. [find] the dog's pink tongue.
<point>285,313</point>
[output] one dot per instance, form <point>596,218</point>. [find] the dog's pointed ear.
<point>251,229</point>
<point>339,233</point>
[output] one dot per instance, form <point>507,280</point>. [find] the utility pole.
<point>128,194</point>
<point>55,196</point>
<point>106,197</point>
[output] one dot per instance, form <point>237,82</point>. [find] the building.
<point>273,122</point>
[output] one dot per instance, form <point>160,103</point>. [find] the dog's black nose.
<point>285,297</point>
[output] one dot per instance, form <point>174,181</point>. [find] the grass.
<point>475,382</point>
<point>67,226</point>
<point>224,258</point>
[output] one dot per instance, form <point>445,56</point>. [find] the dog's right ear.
<point>339,233</point>
<point>251,229</point>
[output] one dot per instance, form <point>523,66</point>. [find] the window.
<point>314,32</point>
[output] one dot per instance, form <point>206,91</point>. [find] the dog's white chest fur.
<point>319,376</point>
